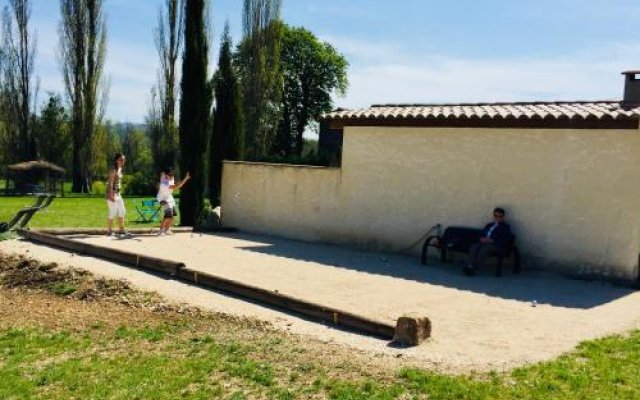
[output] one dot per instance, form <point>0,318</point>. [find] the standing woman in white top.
<point>114,198</point>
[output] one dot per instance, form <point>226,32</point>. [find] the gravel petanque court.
<point>479,323</point>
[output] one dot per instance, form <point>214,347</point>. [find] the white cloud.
<point>47,67</point>
<point>382,72</point>
<point>389,73</point>
<point>130,68</point>
<point>364,51</point>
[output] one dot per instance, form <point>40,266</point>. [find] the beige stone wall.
<point>572,196</point>
<point>293,201</point>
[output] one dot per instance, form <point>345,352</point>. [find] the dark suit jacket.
<point>500,235</point>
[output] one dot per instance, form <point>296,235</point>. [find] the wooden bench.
<point>457,239</point>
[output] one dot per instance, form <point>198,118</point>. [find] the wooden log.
<point>412,329</point>
<point>160,265</point>
<point>51,240</point>
<point>326,314</point>
<point>103,231</point>
<point>219,229</point>
<point>178,270</point>
<point>125,257</point>
<point>135,231</point>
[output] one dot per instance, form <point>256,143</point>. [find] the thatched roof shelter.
<point>36,166</point>
<point>37,176</point>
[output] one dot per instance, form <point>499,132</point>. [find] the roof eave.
<point>522,122</point>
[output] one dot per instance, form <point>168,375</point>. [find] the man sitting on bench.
<point>495,237</point>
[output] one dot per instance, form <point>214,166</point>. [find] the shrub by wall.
<point>139,184</point>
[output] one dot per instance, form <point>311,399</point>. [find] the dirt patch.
<point>51,297</point>
<point>21,308</point>
<point>29,298</point>
<point>20,272</point>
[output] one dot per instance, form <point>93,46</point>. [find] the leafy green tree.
<point>313,72</point>
<point>136,147</point>
<point>52,133</point>
<point>227,135</point>
<point>102,152</point>
<point>258,62</point>
<point>195,110</point>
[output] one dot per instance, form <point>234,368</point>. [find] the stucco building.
<point>568,174</point>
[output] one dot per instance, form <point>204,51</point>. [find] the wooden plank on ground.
<point>178,270</point>
<point>103,231</point>
<point>125,257</point>
<point>135,231</point>
<point>325,314</point>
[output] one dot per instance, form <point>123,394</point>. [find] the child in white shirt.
<point>166,200</point>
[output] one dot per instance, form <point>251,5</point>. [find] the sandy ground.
<point>479,323</point>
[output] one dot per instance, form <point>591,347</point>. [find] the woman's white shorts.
<point>116,207</point>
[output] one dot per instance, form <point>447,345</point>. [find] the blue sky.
<point>403,51</point>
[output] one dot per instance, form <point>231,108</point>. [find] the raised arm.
<point>182,182</point>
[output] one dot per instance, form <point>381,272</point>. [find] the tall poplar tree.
<point>227,135</point>
<point>162,119</point>
<point>195,110</point>
<point>83,40</point>
<point>19,89</point>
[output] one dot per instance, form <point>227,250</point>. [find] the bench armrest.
<point>431,241</point>
<point>434,241</point>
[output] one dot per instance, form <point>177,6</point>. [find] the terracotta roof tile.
<point>541,112</point>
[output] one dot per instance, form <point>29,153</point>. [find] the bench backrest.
<point>461,238</point>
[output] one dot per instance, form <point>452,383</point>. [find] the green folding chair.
<point>148,211</point>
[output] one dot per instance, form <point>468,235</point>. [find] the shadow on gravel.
<point>544,288</point>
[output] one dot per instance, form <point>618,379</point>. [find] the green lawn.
<point>68,212</point>
<point>74,336</point>
<point>180,360</point>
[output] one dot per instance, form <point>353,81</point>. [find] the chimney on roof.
<point>631,87</point>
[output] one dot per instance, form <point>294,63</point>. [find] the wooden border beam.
<point>178,270</point>
<point>103,231</point>
<point>137,260</point>
<point>328,315</point>
<point>136,231</point>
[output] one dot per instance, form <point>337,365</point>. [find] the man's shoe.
<point>469,270</point>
